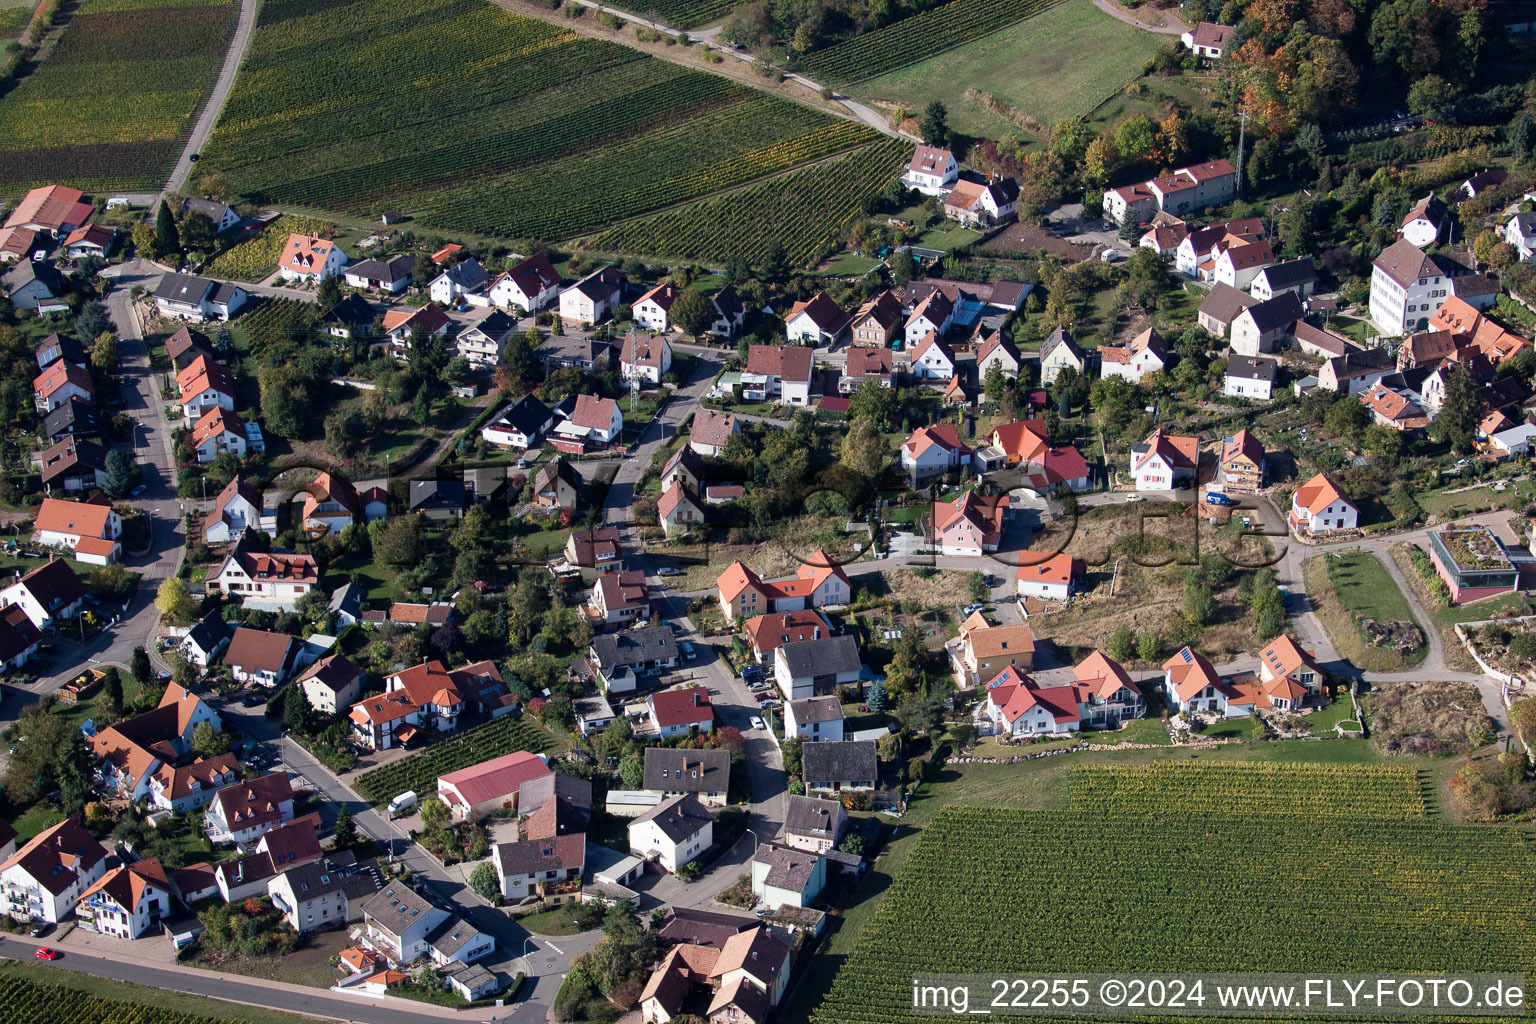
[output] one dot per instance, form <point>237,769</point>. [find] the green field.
<point>1206,890</point>
<point>38,993</point>
<point>469,118</point>
<point>1059,63</point>
<point>916,38</point>
<point>1314,790</point>
<point>680,13</point>
<point>804,210</point>
<point>109,106</point>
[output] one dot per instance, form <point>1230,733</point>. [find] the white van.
<point>402,803</point>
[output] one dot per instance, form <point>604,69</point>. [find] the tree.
<point>1199,603</point>
<point>346,828</point>
<point>329,292</point>
<point>92,320</point>
<point>167,240</point>
<point>1121,645</point>
<point>976,587</point>
<point>112,691</point>
<point>863,449</point>
<point>122,473</point>
<point>995,383</point>
<point>297,713</point>
<point>1502,256</point>
<point>1129,227</point>
<point>397,542</point>
<point>934,126</point>
<point>210,741</point>
<point>632,772</point>
<point>103,356</point>
<point>1432,97</point>
<point>1456,423</point>
<point>1148,646</point>
<point>345,432</point>
<point>72,771</point>
<point>283,408</point>
<point>876,699</point>
<point>198,230</point>
<point>1346,418</point>
<point>173,599</point>
<point>1484,242</point>
<point>435,816</point>
<point>874,401</point>
<point>485,883</point>
<point>776,266</point>
<point>693,312</point>
<point>139,666</point>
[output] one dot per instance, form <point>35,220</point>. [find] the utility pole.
<point>1242,138</point>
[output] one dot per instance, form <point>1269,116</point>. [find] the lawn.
<point>1360,587</point>
<point>109,105</point>
<point>556,921</point>
<point>1060,63</point>
<point>498,125</point>
<point>1448,505</point>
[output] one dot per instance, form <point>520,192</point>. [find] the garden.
<point>1367,617</point>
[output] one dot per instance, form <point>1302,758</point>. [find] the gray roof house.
<point>438,500</point>
<point>398,920</point>
<point>347,603</point>
<point>672,771</point>
<point>834,767</point>
<point>31,284</point>
<point>806,668</point>
<point>207,639</point>
<point>617,658</point>
<point>813,823</point>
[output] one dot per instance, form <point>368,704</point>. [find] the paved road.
<point>1114,10</point>
<point>216,98</point>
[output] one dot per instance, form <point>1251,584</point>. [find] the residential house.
<point>765,632</point>
<point>556,485</point>
<point>309,259</point>
<point>331,684</point>
<point>59,383</point>
<point>1250,377</point>
<point>862,364</point>
<point>44,879</point>
<point>330,503</point>
<point>317,896</point>
<point>550,868</point>
<point>819,582</point>
<point>206,640</point>
<point>1015,706</point>
<point>1408,285</point>
<point>1315,341</point>
<point>983,204</point>
<point>482,343</point>
<point>31,284</point>
<point>91,240</point>
<point>675,771</point>
<point>877,322</point>
<point>983,650</point>
<point>1284,660</point>
<point>74,417</point>
<point>620,598</point>
<point>1183,191</point>
<point>464,278</point>
<point>239,507</point>
<point>1482,181</point>
<point>1045,576</point>
<point>519,425</point>
<point>279,848</point>
<point>1520,232</point>
<point>594,297</point>
<point>222,215</point>
<point>1237,261</point>
<point>1355,370</point>
<point>390,275</point>
<point>89,529</point>
<point>198,298</point>
<point>595,549</point>
<point>1197,254</point>
<point>1298,276</point>
<point>477,791</point>
<point>681,712</point>
<point>17,244</point>
<point>998,350</point>
<point>241,813</point>
<point>403,326</point>
<point>1207,40</point>
<point>684,467</point>
<point>932,170</point>
<point>1260,327</point>
<point>1058,352</point>
<point>19,640</point>
<point>711,431</point>
<point>261,657</point>
<point>59,346</point>
<point>787,877</point>
<point>813,824</point>
<point>350,317</point>
<point>645,357</point>
<point>1242,464</point>
<point>1428,222</point>
<point>933,451</point>
<point>814,719</point>
<point>751,961</point>
<point>397,921</point>
<point>1165,235</point>
<point>182,789</point>
<point>264,579</point>
<point>439,500</point>
<point>127,902</point>
<point>618,659</point>
<point>48,594</point>
<point>1192,684</point>
<point>931,317</point>
<point>1105,693</point>
<point>836,767</point>
<point>1221,307</point>
<point>816,321</point>
<point>730,312</point>
<point>778,373</point>
<point>72,465</point>
<point>673,833</point>
<point>678,982</point>
<point>1163,461</point>
<point>653,309</point>
<point>204,384</point>
<point>593,423</point>
<point>1394,409</point>
<point>971,524</point>
<point>1318,506</point>
<point>679,509</point>
<point>1473,563</point>
<point>529,286</point>
<point>222,430</point>
<point>1146,353</point>
<point>809,668</point>
<point>56,209</point>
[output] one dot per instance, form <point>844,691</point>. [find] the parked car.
<point>1217,498</point>
<point>752,673</point>
<point>757,723</point>
<point>44,953</point>
<point>669,570</point>
<point>689,654</point>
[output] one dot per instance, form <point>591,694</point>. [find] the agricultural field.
<point>419,771</point>
<point>1059,63</point>
<point>257,256</point>
<point>917,38</point>
<point>14,16</point>
<point>680,13</point>
<point>1392,792</point>
<point>804,209</point>
<point>109,106</point>
<point>83,999</point>
<point>496,124</point>
<point>1208,893</point>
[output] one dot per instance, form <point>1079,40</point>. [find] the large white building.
<point>1407,286</point>
<point>46,878</point>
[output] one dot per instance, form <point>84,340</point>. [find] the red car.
<point>44,953</point>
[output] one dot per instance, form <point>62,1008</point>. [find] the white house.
<point>1207,40</point>
<point>464,278</point>
<point>1407,286</point>
<point>672,833</point>
<point>787,877</point>
<point>332,684</point>
<point>653,309</point>
<point>979,204</point>
<point>1058,352</point>
<point>645,357</point>
<point>816,321</point>
<point>1318,506</point>
<point>48,594</point>
<point>223,215</point>
<point>778,372</point>
<point>204,384</point>
<point>933,451</point>
<point>998,350</point>
<point>548,866</point>
<point>933,315</point>
<point>1191,683</point>
<point>933,359</point>
<point>594,297</point>
<point>1048,577</point>
<point>730,310</point>
<point>274,580</point>
<point>1260,327</point>
<point>814,719</point>
<point>46,877</point>
<point>243,813</point>
<point>1250,377</point>
<point>198,298</point>
<point>1238,262</point>
<point>1426,223</point>
<point>261,657</point>
<point>1015,706</point>
<point>1297,276</point>
<point>90,529</point>
<point>127,902</point>
<point>1520,232</point>
<point>482,343</point>
<point>391,276</point>
<point>681,712</point>
<point>219,430</point>
<point>932,171</point>
<point>529,286</point>
<point>810,668</point>
<point>1147,353</point>
<point>309,259</point>
<point>1162,461</point>
<point>520,425</point>
<point>593,422</point>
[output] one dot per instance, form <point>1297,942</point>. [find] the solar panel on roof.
<point>1186,655</point>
